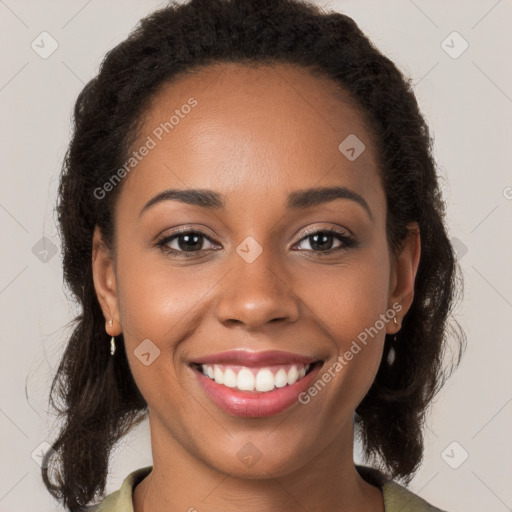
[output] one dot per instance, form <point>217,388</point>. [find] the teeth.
<point>245,380</point>
<point>264,380</point>
<point>229,378</point>
<point>293,375</point>
<point>254,379</point>
<point>218,376</point>
<point>281,378</point>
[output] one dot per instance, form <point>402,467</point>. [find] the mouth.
<point>256,386</point>
<point>255,379</point>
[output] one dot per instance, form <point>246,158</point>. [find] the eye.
<point>189,243</point>
<point>321,241</point>
<point>184,243</point>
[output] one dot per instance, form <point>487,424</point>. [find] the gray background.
<point>467,100</point>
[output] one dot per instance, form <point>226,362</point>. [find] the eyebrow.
<point>296,200</point>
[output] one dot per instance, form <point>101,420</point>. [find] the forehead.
<point>268,129</point>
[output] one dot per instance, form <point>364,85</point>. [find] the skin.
<point>256,135</point>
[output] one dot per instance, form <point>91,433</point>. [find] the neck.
<point>182,482</point>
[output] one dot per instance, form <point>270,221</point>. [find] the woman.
<point>252,224</point>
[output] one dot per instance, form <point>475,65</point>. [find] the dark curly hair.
<point>101,399</point>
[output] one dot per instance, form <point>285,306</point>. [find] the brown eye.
<point>184,243</point>
<point>321,241</point>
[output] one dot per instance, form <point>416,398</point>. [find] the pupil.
<point>322,245</point>
<point>188,244</point>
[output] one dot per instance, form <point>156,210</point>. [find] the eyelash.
<point>348,242</point>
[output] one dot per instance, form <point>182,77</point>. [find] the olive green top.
<point>396,497</point>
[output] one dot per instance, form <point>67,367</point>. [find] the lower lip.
<point>249,404</point>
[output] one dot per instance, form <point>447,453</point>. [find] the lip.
<point>253,404</point>
<point>244,357</point>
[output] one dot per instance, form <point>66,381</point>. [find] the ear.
<point>104,279</point>
<point>403,275</point>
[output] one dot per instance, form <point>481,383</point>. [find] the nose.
<point>257,293</point>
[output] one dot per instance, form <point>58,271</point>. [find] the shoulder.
<point>396,497</point>
<point>121,500</point>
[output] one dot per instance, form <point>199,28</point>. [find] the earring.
<point>391,355</point>
<point>112,341</point>
<point>391,352</point>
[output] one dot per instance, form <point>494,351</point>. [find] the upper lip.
<point>248,358</point>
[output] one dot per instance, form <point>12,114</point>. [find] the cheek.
<point>349,298</point>
<point>161,301</point>
<point>146,295</point>
<point>349,305</point>
<point>155,304</point>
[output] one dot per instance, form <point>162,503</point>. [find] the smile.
<point>252,384</point>
<point>259,380</point>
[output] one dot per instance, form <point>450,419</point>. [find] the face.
<point>258,281</point>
